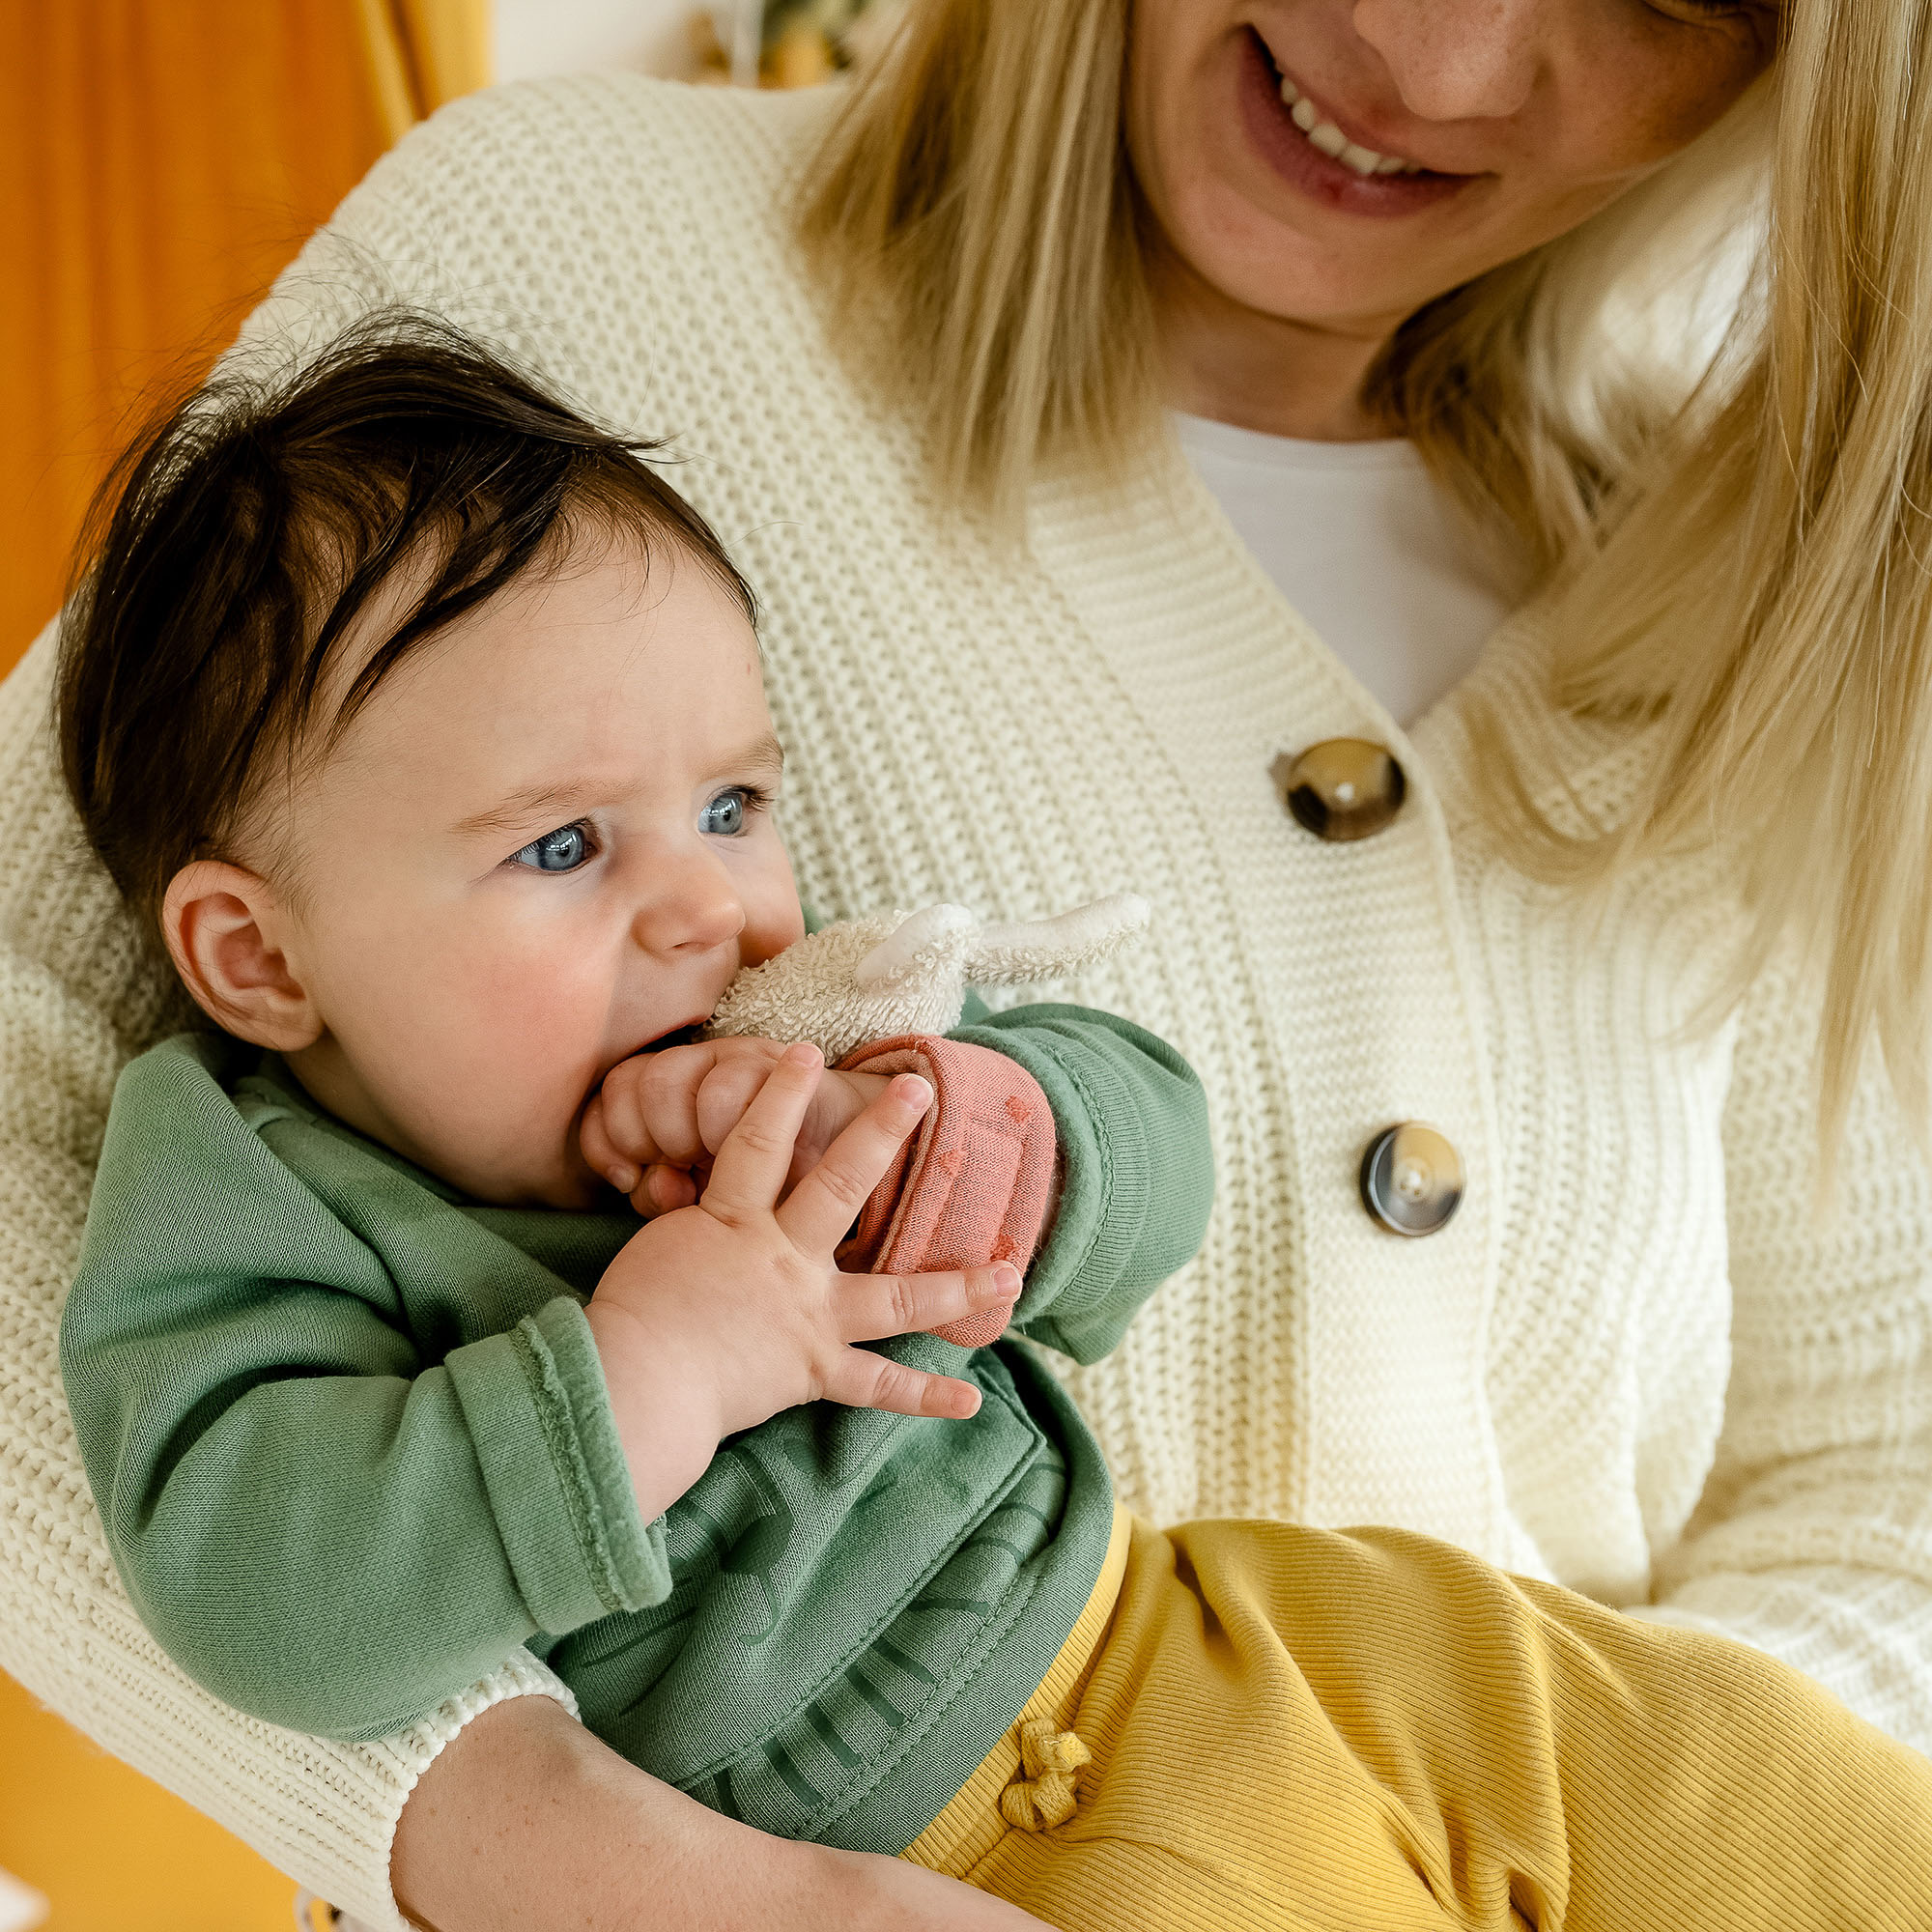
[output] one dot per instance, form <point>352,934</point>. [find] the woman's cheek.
<point>1657,91</point>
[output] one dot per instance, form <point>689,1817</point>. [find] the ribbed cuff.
<point>540,1418</point>
<point>420,1745</point>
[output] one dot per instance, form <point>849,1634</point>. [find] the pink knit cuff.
<point>972,1186</point>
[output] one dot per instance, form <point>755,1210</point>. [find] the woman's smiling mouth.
<point>1302,141</point>
<point>1331,139</point>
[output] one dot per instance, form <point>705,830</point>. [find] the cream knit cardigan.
<point>1633,1362</point>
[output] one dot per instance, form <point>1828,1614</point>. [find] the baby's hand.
<point>716,1316</point>
<point>657,1123</point>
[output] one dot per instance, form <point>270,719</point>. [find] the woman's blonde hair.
<point>1699,427</point>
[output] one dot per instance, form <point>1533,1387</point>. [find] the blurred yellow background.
<point>112,1852</point>
<point>160,160</point>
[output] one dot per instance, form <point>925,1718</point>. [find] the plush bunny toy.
<point>898,976</point>
<point>899,973</point>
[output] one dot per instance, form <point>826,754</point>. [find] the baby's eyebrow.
<point>539,800</point>
<point>513,812</point>
<point>767,754</point>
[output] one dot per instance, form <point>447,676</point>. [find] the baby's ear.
<point>222,925</point>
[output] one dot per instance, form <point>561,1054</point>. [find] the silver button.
<point>1340,789</point>
<point>1412,1179</point>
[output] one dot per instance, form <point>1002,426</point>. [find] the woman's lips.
<point>1322,177</point>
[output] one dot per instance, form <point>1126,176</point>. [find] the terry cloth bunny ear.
<point>882,978</point>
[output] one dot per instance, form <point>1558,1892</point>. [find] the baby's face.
<point>543,846</point>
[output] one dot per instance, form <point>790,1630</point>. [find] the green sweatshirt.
<point>351,1444</point>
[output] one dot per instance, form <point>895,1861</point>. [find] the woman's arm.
<point>526,1822</point>
<point>1814,1537</point>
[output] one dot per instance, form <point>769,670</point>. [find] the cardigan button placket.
<point>1412,1179</point>
<point>1342,789</point>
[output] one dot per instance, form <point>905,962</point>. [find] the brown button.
<point>1342,789</point>
<point>1412,1179</point>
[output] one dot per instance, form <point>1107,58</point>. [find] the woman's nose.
<point>691,905</point>
<point>1458,60</point>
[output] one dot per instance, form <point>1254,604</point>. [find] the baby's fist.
<point>658,1120</point>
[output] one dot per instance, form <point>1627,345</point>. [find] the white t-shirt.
<point>1358,539</point>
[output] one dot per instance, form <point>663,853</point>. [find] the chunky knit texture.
<point>1633,1362</point>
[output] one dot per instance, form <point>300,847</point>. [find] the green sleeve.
<point>335,1497</point>
<point>1137,1167</point>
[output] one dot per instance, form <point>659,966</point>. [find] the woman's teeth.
<point>1331,139</point>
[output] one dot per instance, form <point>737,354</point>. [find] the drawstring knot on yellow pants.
<point>1051,1759</point>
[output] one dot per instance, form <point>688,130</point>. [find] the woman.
<point>1571,918</point>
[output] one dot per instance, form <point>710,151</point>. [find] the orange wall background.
<point>160,161</point>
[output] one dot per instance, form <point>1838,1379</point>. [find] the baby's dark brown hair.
<point>240,538</point>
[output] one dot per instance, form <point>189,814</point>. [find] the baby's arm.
<point>1124,1206</point>
<point>330,1520</point>
<point>316,1517</point>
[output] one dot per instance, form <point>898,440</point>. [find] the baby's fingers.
<point>647,1107</point>
<point>825,1204</point>
<point>664,1190</point>
<point>600,1155</point>
<point>726,1091</point>
<point>874,1306</point>
<point>862,1379</point>
<point>753,1164</point>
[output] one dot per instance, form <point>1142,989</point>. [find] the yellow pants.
<point>1374,1732</point>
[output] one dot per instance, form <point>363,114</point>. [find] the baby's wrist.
<point>669,1418</point>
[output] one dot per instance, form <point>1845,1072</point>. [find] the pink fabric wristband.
<point>972,1186</point>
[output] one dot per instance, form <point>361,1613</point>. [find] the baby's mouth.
<point>682,1036</point>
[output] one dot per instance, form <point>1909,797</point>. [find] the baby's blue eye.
<point>725,815</point>
<point>560,851</point>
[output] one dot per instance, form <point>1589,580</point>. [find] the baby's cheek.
<point>773,917</point>
<point>530,1054</point>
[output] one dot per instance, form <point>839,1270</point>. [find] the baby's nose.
<point>696,909</point>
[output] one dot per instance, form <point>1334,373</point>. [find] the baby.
<point>425,725</point>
